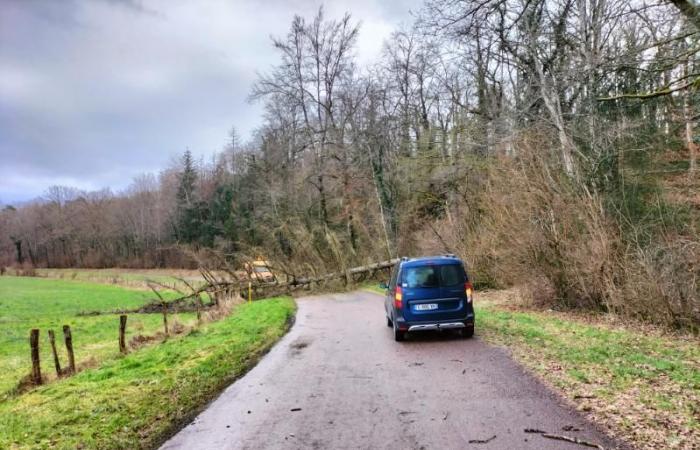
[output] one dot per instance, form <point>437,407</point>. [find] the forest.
<point>550,143</point>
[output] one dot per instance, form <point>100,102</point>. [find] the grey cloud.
<point>93,93</point>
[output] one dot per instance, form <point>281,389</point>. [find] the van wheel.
<point>398,334</point>
<point>389,323</point>
<point>466,332</point>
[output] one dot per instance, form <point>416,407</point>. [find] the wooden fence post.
<point>165,317</point>
<point>68,338</point>
<point>122,333</point>
<point>36,364</point>
<point>56,362</point>
<point>199,303</point>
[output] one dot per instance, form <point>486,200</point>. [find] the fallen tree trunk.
<point>214,288</point>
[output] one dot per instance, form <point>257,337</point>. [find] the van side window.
<point>394,272</point>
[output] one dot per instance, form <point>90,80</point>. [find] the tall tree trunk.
<point>18,248</point>
<point>380,190</point>
<point>347,200</point>
<point>688,113</point>
<point>322,199</point>
<point>551,101</point>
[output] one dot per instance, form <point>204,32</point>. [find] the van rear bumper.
<point>452,324</point>
<point>437,326</point>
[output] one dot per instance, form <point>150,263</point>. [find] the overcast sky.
<point>95,92</point>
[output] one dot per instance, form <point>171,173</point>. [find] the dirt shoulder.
<point>638,382</point>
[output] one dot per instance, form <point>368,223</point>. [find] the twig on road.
<point>482,441</point>
<point>559,437</point>
<point>573,440</point>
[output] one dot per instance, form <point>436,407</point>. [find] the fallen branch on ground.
<point>482,441</point>
<point>573,440</point>
<point>559,437</point>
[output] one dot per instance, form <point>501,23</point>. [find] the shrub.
<point>531,225</point>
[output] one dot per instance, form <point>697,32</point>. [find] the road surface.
<point>338,380</point>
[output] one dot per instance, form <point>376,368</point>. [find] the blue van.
<point>430,293</point>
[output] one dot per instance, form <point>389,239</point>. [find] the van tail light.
<point>469,290</point>
<point>398,298</point>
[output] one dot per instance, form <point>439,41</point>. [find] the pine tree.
<point>188,177</point>
<point>187,219</point>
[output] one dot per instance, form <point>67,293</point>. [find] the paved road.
<point>339,381</point>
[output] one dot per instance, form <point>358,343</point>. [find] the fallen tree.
<point>220,284</point>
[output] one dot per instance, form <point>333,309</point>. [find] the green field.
<point>27,303</point>
<point>117,401</point>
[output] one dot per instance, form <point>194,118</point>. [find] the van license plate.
<point>426,307</point>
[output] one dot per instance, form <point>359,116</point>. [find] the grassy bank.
<point>136,401</point>
<point>639,383</point>
<point>27,303</point>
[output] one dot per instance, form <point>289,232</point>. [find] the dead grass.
<point>131,278</point>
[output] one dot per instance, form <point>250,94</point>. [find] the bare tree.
<point>316,59</point>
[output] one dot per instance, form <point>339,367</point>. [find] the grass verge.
<point>641,384</point>
<point>136,401</point>
<point>373,287</point>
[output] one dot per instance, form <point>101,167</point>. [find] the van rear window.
<point>452,275</point>
<point>434,276</point>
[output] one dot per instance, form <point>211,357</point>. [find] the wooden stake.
<point>165,317</point>
<point>164,307</point>
<point>199,302</point>
<point>36,364</point>
<point>56,362</point>
<point>122,334</point>
<point>68,338</point>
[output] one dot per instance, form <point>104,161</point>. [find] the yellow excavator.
<point>259,270</point>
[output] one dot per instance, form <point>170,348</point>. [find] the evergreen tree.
<point>187,216</point>
<point>188,177</point>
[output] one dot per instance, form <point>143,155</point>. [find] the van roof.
<point>428,260</point>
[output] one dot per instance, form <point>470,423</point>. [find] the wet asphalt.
<point>338,380</point>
